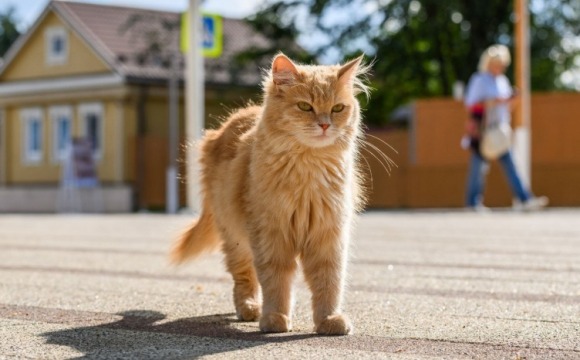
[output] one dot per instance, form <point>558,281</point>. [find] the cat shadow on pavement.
<point>141,334</point>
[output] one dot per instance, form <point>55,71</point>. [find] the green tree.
<point>8,31</point>
<point>269,23</point>
<point>422,47</point>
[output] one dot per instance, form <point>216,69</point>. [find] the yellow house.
<point>79,72</point>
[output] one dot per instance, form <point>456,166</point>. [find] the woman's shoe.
<point>535,203</point>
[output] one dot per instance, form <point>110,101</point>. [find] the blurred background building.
<point>102,72</point>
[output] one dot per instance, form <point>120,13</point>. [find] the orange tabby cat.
<point>279,185</point>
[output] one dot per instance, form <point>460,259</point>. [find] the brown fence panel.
<point>556,128</point>
<point>437,130</point>
<point>155,161</point>
<point>437,178</point>
<point>432,167</point>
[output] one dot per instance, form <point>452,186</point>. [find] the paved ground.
<point>447,285</point>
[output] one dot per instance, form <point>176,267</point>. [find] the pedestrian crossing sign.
<point>212,37</point>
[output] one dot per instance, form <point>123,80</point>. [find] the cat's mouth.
<point>322,139</point>
<point>317,138</point>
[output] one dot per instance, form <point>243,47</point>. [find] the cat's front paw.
<point>334,325</point>
<point>249,311</point>
<point>275,323</point>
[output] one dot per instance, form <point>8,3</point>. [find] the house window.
<point>92,119</point>
<point>32,135</point>
<point>61,118</point>
<point>56,39</point>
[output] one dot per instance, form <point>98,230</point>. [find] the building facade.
<point>82,71</point>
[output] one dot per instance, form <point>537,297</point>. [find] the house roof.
<point>106,30</point>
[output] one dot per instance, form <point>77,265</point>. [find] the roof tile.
<point>106,29</point>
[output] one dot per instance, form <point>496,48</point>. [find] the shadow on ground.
<point>141,335</point>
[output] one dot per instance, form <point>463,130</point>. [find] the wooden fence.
<point>431,166</point>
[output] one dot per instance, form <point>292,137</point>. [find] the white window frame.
<point>98,109</point>
<point>57,113</point>
<point>27,117</point>
<point>50,35</point>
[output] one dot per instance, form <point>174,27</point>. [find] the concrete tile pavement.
<point>422,285</point>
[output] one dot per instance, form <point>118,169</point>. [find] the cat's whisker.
<point>370,170</point>
<point>386,162</point>
<point>390,161</point>
<point>383,141</point>
<point>386,167</point>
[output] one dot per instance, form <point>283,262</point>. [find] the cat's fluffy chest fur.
<point>304,191</point>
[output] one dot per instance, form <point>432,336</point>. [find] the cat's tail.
<point>199,238</point>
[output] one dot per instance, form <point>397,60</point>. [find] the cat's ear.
<point>284,71</point>
<point>354,74</point>
<point>347,73</point>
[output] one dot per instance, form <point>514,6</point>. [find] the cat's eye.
<point>304,106</point>
<point>338,108</point>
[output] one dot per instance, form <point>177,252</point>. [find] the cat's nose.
<point>324,126</point>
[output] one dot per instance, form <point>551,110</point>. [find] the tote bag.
<point>497,140</point>
<point>497,136</point>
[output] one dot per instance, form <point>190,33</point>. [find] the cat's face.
<point>314,104</point>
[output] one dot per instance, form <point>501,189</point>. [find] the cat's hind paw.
<point>275,323</point>
<point>334,325</point>
<point>249,311</point>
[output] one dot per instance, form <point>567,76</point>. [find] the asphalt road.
<point>422,285</point>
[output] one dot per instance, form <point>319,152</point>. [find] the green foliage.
<point>283,34</point>
<point>420,48</point>
<point>8,31</point>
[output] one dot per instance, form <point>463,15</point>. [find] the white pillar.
<point>522,136</point>
<point>194,104</point>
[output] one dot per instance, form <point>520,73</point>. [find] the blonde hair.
<point>494,52</point>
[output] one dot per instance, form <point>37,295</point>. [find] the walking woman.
<point>490,92</point>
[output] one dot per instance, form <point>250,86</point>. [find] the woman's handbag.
<point>496,141</point>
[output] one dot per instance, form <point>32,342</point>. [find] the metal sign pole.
<point>194,104</point>
<point>172,187</point>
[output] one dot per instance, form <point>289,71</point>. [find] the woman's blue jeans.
<point>478,168</point>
